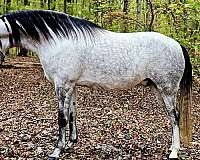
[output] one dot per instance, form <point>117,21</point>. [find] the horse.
<point>76,52</point>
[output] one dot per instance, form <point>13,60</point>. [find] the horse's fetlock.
<point>74,140</point>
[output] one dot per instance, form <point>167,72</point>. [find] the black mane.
<point>34,23</point>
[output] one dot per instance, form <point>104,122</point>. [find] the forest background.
<point>179,19</point>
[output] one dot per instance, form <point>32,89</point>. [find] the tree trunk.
<point>126,5</point>
<point>185,15</point>
<point>65,6</point>
<point>151,15</point>
<point>125,16</point>
<point>49,4</point>
<point>41,3</point>
<point>25,2</point>
<point>8,4</point>
<point>23,52</point>
<point>138,13</point>
<point>1,58</point>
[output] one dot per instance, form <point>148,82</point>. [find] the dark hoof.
<point>53,158</point>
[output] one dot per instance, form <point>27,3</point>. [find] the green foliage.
<point>177,19</point>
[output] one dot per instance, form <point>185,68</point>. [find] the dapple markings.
<point>76,52</point>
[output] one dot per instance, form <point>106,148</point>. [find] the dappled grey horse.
<point>76,52</point>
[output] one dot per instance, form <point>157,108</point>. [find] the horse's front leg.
<point>72,122</point>
<point>64,97</point>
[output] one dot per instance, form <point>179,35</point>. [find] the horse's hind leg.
<point>168,100</point>
<point>170,103</point>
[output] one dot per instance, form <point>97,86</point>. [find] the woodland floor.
<point>124,125</point>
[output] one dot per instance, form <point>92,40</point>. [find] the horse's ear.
<point>3,29</point>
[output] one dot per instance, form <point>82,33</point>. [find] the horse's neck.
<point>38,47</point>
<point>57,45</point>
<point>49,48</point>
<point>29,44</point>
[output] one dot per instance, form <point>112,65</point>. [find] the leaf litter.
<point>111,124</point>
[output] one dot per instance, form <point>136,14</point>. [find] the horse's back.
<point>124,59</point>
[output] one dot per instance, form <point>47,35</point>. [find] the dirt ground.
<point>122,126</point>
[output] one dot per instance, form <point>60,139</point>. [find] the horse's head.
<point>4,38</point>
<point>5,33</point>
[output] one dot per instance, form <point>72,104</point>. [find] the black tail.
<point>186,100</point>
